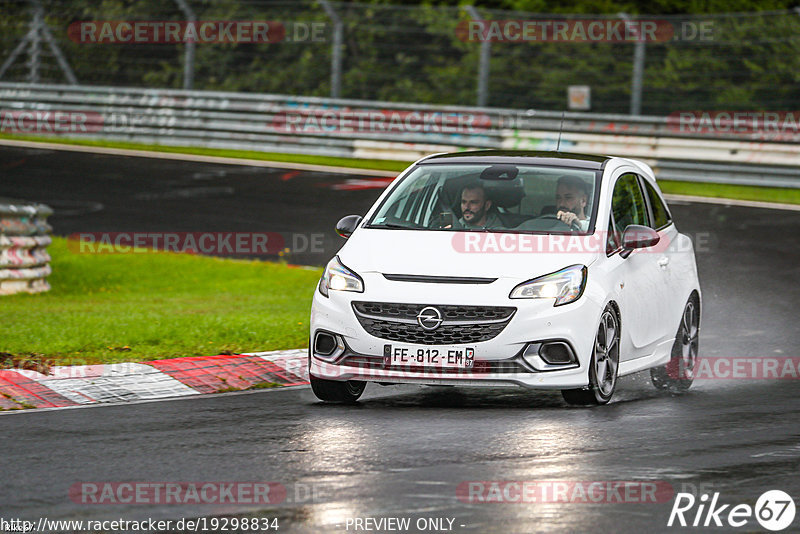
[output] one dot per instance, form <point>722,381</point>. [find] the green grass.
<point>107,308</point>
<point>738,192</point>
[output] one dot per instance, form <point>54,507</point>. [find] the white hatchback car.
<point>494,268</point>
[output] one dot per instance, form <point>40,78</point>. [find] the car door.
<point>643,291</point>
<point>668,258</point>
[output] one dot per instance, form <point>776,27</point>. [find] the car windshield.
<point>493,198</point>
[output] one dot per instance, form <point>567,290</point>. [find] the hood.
<point>473,254</point>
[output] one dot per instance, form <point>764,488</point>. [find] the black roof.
<point>520,157</point>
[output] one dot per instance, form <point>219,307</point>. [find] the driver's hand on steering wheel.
<point>567,217</point>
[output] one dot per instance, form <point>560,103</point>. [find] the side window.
<point>627,203</point>
<point>661,217</point>
<point>612,241</point>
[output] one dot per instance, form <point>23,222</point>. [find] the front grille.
<point>460,324</point>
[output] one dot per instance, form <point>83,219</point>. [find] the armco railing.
<point>388,130</point>
<point>24,262</point>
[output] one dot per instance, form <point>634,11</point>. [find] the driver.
<point>572,196</point>
<point>475,208</point>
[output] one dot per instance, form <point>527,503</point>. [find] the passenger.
<point>476,209</point>
<point>572,196</point>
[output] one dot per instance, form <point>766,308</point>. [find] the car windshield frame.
<point>411,174</point>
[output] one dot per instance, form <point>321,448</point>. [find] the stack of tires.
<point>24,236</point>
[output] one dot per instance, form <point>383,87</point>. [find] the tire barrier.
<point>24,237</point>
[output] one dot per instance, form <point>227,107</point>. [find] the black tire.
<point>604,363</point>
<point>678,374</point>
<point>346,392</point>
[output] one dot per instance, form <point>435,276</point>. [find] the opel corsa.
<point>494,268</point>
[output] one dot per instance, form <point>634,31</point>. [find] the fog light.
<point>556,353</point>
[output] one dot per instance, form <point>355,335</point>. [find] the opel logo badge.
<point>429,318</point>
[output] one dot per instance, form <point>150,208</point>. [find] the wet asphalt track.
<point>100,193</point>
<point>404,450</point>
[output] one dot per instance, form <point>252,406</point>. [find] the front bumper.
<point>498,360</point>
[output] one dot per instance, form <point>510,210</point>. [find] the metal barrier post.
<point>638,69</point>
<point>36,43</point>
<point>483,64</point>
<point>188,62</point>
<point>336,50</point>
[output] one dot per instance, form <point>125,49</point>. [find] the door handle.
<point>663,262</point>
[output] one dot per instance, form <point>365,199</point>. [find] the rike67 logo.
<point>774,510</point>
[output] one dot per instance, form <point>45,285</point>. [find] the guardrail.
<point>24,261</point>
<point>388,130</point>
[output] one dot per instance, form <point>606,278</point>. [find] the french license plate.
<point>426,356</point>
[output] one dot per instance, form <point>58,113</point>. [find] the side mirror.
<point>347,225</point>
<point>637,236</point>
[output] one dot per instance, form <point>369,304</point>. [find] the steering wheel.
<point>574,226</point>
<point>450,217</point>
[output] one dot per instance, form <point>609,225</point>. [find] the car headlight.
<point>337,277</point>
<point>565,286</point>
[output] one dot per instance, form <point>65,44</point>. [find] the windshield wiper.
<point>394,226</point>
